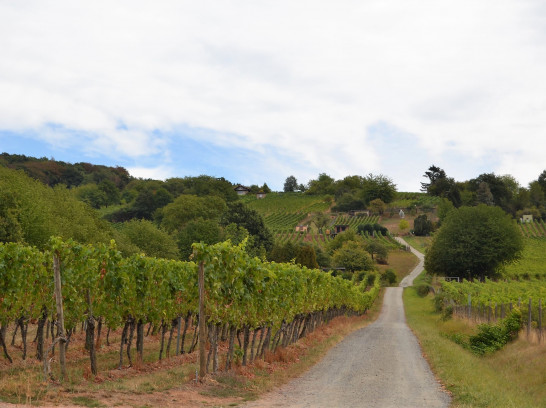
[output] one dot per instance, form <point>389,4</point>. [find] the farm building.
<point>242,190</point>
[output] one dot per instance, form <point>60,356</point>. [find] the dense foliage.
<point>489,189</point>
<point>474,242</point>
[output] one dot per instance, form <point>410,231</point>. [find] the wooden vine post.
<point>60,314</point>
<point>202,323</point>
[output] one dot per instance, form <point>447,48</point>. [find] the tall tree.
<point>474,242</point>
<point>323,185</point>
<point>290,184</point>
<point>542,180</point>
<point>238,213</point>
<point>440,185</point>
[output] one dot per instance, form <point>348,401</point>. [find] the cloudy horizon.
<point>257,91</point>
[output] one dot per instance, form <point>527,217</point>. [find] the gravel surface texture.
<point>380,365</point>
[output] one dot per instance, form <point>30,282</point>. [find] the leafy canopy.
<point>474,242</point>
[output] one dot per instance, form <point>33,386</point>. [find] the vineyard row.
<point>282,302</point>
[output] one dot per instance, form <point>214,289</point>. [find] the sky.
<point>256,91</point>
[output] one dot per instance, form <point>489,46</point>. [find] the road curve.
<point>378,366</point>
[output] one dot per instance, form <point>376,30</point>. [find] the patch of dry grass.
<point>401,262</point>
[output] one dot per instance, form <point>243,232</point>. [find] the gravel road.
<point>378,366</point>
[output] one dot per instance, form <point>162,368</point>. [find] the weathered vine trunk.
<point>15,332</point>
<point>163,331</point>
<point>210,332</point>
<point>260,342</point>
<point>99,330</point>
<point>217,333</point>
<point>140,340</point>
<point>229,357</point>
<point>90,333</point>
<point>194,340</point>
<point>277,336</point>
<point>122,343</point>
<point>252,345</point>
<point>40,335</point>
<point>246,341</point>
<point>265,345</point>
<point>3,341</point>
<point>187,322</point>
<point>174,324</point>
<point>24,330</point>
<point>130,340</point>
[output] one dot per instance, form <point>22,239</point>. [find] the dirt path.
<point>378,366</point>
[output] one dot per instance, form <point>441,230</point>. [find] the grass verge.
<point>512,377</point>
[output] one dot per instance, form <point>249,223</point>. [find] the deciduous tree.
<point>474,242</point>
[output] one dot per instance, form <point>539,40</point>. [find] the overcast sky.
<point>255,91</point>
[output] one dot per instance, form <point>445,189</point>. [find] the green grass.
<point>512,377</point>
<point>421,244</point>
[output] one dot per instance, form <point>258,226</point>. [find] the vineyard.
<point>533,229</point>
<point>275,304</point>
<point>524,287</point>
<point>288,203</point>
<point>282,212</point>
<point>531,264</point>
<point>411,200</point>
<point>502,292</point>
<point>354,221</point>
<point>320,240</point>
<point>491,301</point>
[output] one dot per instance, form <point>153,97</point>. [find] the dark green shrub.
<point>422,226</point>
<point>388,278</point>
<point>422,289</point>
<point>439,302</point>
<point>493,337</point>
<point>447,313</point>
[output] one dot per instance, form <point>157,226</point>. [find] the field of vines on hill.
<point>409,200</point>
<point>386,239</point>
<point>282,212</point>
<point>533,229</point>
<point>496,292</point>
<point>288,202</point>
<point>532,263</point>
<point>281,302</point>
<point>354,221</point>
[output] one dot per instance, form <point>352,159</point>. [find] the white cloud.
<point>155,173</point>
<point>305,78</point>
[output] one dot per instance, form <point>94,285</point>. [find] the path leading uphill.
<point>378,366</point>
